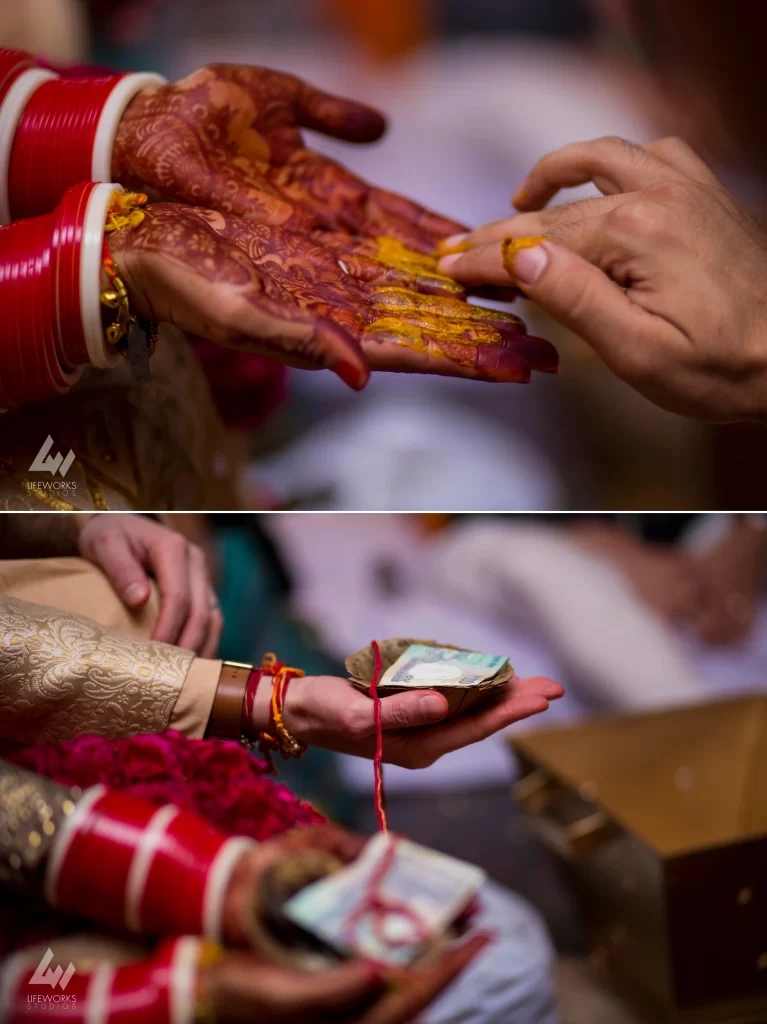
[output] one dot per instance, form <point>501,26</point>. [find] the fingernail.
<point>519,197</point>
<point>134,592</point>
<point>449,244</point>
<point>525,258</point>
<point>350,374</point>
<point>447,262</point>
<point>432,706</point>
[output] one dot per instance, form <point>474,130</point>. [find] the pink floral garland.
<point>219,779</point>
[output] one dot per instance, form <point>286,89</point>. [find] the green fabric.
<point>256,620</point>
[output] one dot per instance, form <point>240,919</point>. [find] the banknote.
<point>418,893</point>
<point>425,666</point>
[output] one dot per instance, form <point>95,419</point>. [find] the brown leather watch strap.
<point>225,720</point>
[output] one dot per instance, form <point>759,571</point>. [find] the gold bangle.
<point>123,212</point>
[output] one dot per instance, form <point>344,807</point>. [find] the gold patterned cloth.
<point>61,674</point>
<point>32,810</point>
<point>158,446</point>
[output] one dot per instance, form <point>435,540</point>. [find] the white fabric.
<point>618,652</point>
<point>510,982</point>
<point>11,110</point>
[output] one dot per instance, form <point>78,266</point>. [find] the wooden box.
<point>661,822</point>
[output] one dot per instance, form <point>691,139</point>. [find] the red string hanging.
<point>383,909</point>
<point>380,800</point>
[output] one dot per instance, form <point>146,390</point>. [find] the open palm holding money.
<point>325,711</point>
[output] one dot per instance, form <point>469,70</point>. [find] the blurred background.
<point>636,615</point>
<point>476,93</point>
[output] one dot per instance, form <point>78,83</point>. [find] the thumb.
<point>412,709</point>
<point>124,570</point>
<point>568,287</point>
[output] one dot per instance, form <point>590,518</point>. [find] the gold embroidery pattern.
<point>61,674</point>
<point>32,809</point>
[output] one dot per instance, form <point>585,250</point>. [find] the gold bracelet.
<point>123,212</point>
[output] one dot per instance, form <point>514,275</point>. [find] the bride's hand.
<point>243,988</point>
<point>406,317</point>
<point>228,137</point>
<point>177,269</point>
<point>285,295</point>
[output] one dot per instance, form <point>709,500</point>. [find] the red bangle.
<point>67,252</point>
<point>12,63</point>
<point>159,990</point>
<point>43,340</point>
<point>127,863</point>
<point>54,142</point>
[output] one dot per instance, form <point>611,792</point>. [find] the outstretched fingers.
<point>337,116</point>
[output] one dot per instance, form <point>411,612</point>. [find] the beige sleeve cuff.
<point>192,709</point>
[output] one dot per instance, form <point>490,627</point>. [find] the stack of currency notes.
<point>433,888</point>
<point>430,667</point>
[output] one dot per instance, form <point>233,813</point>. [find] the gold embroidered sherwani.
<point>62,672</point>
<point>157,446</point>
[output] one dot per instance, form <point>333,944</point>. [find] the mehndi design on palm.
<point>289,296</point>
<point>228,138</point>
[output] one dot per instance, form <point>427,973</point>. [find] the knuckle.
<point>176,544</point>
<point>195,554</point>
<point>399,716</point>
<point>611,142</point>
<point>635,217</point>
<point>670,189</point>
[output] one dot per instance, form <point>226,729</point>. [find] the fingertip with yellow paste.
<point>511,246</point>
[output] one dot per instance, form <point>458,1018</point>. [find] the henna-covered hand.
<point>228,137</point>
<point>179,270</point>
<point>389,301</point>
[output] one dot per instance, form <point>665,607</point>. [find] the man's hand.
<point>325,711</point>
<point>687,325</point>
<point>228,137</point>
<point>668,580</point>
<point>131,547</point>
<point>733,574</point>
